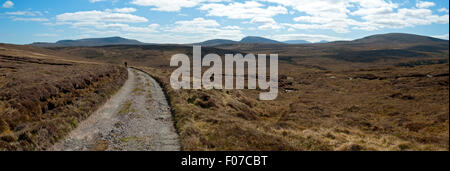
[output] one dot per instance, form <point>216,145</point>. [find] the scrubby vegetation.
<point>378,93</point>
<point>42,99</point>
<point>396,109</point>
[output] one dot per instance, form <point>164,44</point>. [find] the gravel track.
<point>137,118</point>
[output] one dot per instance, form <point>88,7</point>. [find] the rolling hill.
<point>259,40</point>
<point>215,42</point>
<point>90,42</point>
<point>247,40</point>
<point>370,49</point>
<point>396,38</point>
<point>297,42</point>
<point>367,50</point>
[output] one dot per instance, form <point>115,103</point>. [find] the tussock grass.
<point>321,113</point>
<point>42,97</point>
<point>335,96</point>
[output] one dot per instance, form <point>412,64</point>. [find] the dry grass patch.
<point>393,109</point>
<point>42,99</point>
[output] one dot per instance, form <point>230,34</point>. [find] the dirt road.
<point>137,118</point>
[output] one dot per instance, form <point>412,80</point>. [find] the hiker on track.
<point>126,65</point>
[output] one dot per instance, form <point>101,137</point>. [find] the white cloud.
<point>444,36</point>
<point>232,27</point>
<point>119,27</point>
<point>404,17</point>
<point>424,4</point>
<point>373,7</point>
<point>114,22</point>
<point>198,23</point>
<point>8,4</point>
<point>339,25</point>
<point>25,13</point>
<point>342,16</point>
<point>443,10</point>
<point>122,10</point>
<point>30,19</point>
<point>321,14</point>
<point>100,16</point>
<point>314,38</point>
<point>94,1</point>
<point>172,5</point>
<point>270,26</point>
<point>200,29</point>
<point>257,12</point>
<point>262,20</point>
<point>247,10</point>
<point>186,31</point>
<point>46,35</point>
<point>152,28</point>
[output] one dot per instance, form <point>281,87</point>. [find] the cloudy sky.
<point>187,21</point>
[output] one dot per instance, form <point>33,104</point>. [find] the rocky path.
<point>137,118</point>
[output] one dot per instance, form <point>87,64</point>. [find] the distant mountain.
<point>90,42</point>
<point>259,40</point>
<point>380,39</point>
<point>297,42</point>
<point>249,39</point>
<point>216,42</point>
<point>294,42</point>
<point>397,38</point>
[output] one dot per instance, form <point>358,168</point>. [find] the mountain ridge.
<point>259,40</point>
<point>251,40</point>
<point>90,42</point>
<point>396,38</point>
<point>373,39</point>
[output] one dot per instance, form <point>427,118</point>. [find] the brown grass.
<point>42,99</point>
<point>403,109</point>
<point>327,100</point>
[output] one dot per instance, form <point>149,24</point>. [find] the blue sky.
<point>187,21</point>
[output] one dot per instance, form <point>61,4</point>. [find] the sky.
<point>190,21</point>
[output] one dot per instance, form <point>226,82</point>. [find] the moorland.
<point>383,92</point>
